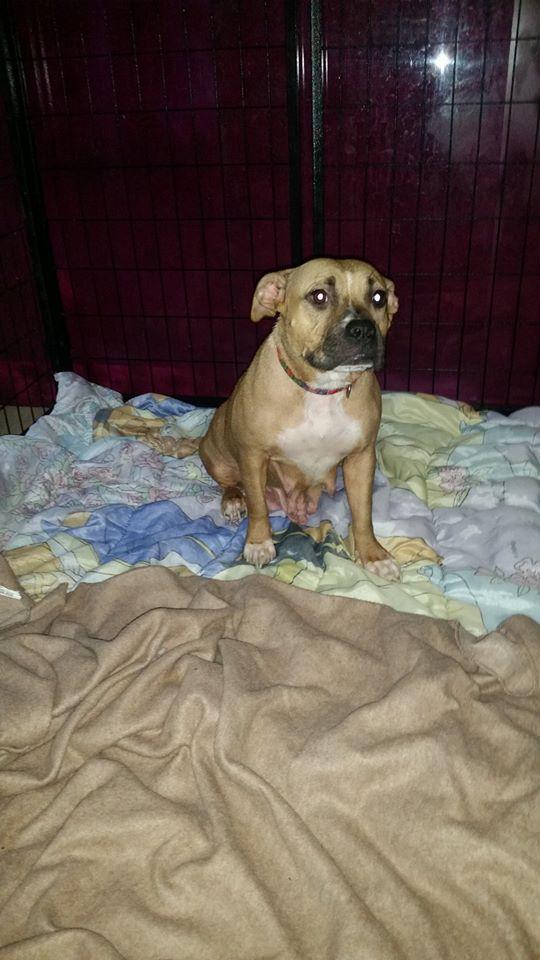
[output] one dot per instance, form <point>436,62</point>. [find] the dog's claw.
<point>259,554</point>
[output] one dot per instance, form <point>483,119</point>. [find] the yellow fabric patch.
<point>141,425</point>
<point>409,550</point>
<point>468,412</point>
<point>31,559</point>
<point>76,519</point>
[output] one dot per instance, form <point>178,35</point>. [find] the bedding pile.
<point>210,770</point>
<point>99,487</point>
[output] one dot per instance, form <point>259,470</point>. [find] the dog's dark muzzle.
<point>354,340</point>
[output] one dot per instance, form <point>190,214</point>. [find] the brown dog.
<point>308,401</point>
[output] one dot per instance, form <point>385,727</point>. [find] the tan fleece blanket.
<point>245,771</point>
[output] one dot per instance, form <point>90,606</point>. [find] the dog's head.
<point>335,314</point>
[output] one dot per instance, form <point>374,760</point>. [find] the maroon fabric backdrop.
<point>430,171</point>
<point>25,372</point>
<point>161,133</point>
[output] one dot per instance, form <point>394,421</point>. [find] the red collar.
<point>305,386</point>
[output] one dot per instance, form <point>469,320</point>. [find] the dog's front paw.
<point>259,554</point>
<point>387,569</point>
<point>376,559</point>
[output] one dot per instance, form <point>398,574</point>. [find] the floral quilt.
<point>100,486</point>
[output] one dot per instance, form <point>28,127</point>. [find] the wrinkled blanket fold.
<point>194,769</point>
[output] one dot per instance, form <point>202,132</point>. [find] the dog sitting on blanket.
<point>308,402</point>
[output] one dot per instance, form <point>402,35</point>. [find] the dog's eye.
<point>318,297</point>
<point>379,298</point>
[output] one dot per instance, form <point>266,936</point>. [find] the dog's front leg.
<point>259,548</point>
<point>358,473</point>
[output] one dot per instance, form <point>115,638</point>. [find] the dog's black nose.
<point>361,330</point>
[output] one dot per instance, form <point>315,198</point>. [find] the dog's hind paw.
<point>234,510</point>
<point>386,569</point>
<point>259,554</point>
<point>233,505</point>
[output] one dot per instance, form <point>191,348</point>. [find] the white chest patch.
<point>324,436</point>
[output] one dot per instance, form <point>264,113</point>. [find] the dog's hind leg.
<point>224,470</point>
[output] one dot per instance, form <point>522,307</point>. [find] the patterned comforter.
<point>100,486</point>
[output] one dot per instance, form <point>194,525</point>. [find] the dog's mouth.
<point>354,345</point>
<point>353,367</point>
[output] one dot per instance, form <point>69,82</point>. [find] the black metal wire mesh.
<point>162,142</point>
<point>431,172</point>
<point>25,369</point>
<point>167,154</point>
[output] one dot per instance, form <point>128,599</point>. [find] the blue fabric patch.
<point>161,406</point>
<point>150,532</point>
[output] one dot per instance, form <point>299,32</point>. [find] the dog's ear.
<point>392,302</point>
<point>269,294</point>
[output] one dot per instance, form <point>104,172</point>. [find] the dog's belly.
<point>321,439</point>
